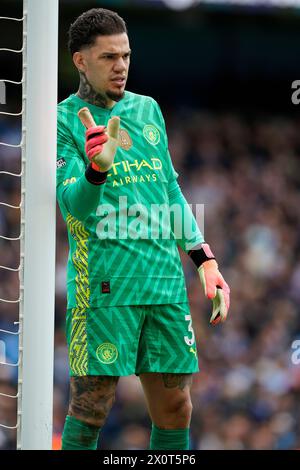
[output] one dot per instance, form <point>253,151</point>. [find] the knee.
<point>90,412</point>
<point>182,408</point>
<point>177,413</point>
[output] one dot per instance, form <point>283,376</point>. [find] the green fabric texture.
<point>166,340</point>
<point>81,198</point>
<point>169,439</point>
<point>78,435</point>
<point>189,235</point>
<point>120,256</point>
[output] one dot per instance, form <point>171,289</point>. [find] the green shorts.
<point>127,340</point>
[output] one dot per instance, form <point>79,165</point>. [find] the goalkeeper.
<point>127,310</point>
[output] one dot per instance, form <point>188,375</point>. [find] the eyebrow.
<point>115,53</point>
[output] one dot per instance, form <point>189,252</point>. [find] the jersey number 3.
<point>189,341</point>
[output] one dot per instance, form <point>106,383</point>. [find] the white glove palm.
<point>216,289</point>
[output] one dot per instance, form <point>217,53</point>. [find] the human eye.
<point>107,56</point>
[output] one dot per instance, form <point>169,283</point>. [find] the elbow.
<point>75,211</point>
<point>78,214</point>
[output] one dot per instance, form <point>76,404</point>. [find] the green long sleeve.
<point>79,187</point>
<point>183,222</point>
<point>81,198</point>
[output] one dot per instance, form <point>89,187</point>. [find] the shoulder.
<point>145,106</point>
<point>68,105</point>
<point>66,111</point>
<point>65,104</point>
<point>135,97</point>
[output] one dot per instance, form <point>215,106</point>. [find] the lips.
<point>119,81</point>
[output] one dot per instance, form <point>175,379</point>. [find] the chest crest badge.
<point>151,134</point>
<point>125,141</point>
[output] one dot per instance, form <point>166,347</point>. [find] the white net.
<point>9,330</point>
<point>27,225</point>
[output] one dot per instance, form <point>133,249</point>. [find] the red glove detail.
<point>95,139</point>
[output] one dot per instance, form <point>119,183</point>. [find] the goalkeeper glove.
<point>95,138</point>
<point>213,283</point>
<point>101,146</point>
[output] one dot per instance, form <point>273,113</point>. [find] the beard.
<point>115,96</point>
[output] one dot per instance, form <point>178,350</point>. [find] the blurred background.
<point>222,73</point>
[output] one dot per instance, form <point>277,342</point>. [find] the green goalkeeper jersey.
<point>124,251</point>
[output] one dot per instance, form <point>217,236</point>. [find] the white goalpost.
<point>37,267</point>
<point>37,232</point>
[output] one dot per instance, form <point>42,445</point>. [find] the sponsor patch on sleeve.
<point>61,163</point>
<point>69,181</point>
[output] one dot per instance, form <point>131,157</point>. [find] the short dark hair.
<point>92,23</point>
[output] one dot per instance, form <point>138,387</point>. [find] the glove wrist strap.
<point>95,177</point>
<point>201,254</point>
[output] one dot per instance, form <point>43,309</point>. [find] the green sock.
<point>78,435</point>
<point>169,439</point>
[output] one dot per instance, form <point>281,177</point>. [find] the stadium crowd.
<point>246,171</point>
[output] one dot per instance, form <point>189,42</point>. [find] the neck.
<point>87,93</point>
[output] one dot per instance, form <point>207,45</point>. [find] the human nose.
<point>120,65</point>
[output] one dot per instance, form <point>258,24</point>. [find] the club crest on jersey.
<point>151,134</point>
<point>125,141</point>
<point>107,353</point>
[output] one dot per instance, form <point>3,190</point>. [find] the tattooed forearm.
<point>177,380</point>
<point>92,398</point>
<point>87,93</point>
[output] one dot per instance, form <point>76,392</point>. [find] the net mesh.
<point>10,210</point>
